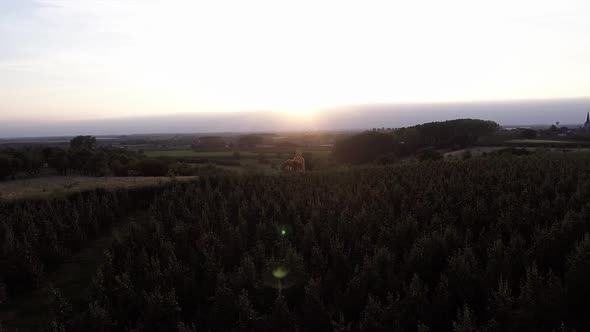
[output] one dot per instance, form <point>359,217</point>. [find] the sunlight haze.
<point>90,59</point>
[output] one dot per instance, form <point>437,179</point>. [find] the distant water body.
<point>353,117</point>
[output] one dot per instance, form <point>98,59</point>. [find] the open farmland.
<point>198,154</point>
<point>541,141</point>
<point>225,154</point>
<point>480,151</point>
<point>476,152</point>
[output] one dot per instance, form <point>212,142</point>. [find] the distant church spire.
<point>588,117</point>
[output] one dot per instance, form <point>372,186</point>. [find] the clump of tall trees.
<point>27,161</point>
<point>371,145</point>
<point>83,157</point>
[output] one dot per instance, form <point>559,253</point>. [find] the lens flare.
<point>280,272</point>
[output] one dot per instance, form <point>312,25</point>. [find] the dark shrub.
<point>151,167</point>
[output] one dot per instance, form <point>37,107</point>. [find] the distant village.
<point>557,130</point>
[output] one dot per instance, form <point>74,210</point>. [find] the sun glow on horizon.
<point>301,114</point>
<point>84,59</point>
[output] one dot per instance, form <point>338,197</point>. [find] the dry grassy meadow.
<point>59,185</point>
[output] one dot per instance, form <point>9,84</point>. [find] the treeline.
<point>36,236</point>
<point>369,146</point>
<point>85,158</point>
<point>496,243</point>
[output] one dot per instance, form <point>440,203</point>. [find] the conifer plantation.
<point>498,243</point>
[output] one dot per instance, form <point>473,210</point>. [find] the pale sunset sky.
<point>100,59</point>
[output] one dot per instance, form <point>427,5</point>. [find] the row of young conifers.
<point>36,236</point>
<point>488,244</point>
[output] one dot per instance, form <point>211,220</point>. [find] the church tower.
<point>587,123</point>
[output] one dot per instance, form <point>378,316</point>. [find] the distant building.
<point>587,123</point>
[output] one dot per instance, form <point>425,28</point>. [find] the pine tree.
<point>465,321</point>
<point>60,311</point>
<point>281,318</point>
<point>372,315</point>
<point>576,283</point>
<point>422,327</point>
<point>315,315</point>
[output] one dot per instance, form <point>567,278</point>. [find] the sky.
<point>77,60</point>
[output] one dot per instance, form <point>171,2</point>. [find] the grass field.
<point>226,154</point>
<point>475,152</point>
<point>541,141</point>
<point>59,185</point>
<point>319,153</point>
<point>478,151</point>
<point>191,153</point>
